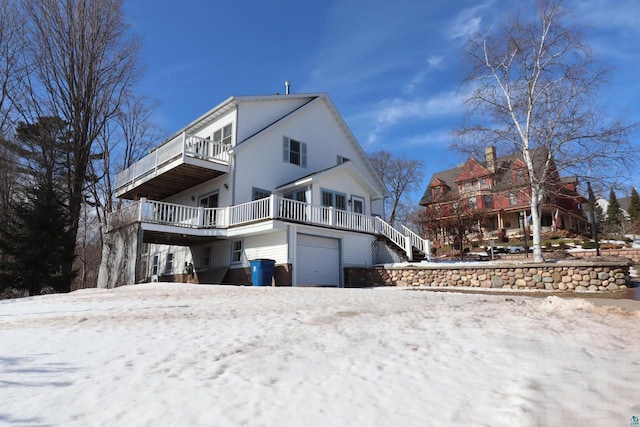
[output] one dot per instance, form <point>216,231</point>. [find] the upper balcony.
<point>181,163</point>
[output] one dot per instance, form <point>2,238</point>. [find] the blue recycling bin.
<point>262,271</point>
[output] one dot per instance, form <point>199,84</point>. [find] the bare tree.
<point>454,217</point>
<point>399,174</point>
<point>11,44</point>
<point>11,69</point>
<point>533,85</point>
<point>83,62</point>
<point>128,137</point>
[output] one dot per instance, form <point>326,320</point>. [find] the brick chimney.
<point>490,157</point>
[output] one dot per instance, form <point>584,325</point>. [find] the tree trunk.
<point>536,223</point>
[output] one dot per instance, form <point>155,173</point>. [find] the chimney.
<point>490,157</point>
<point>287,86</point>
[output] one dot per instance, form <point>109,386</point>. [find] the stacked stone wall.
<point>583,276</point>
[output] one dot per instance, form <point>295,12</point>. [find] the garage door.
<point>318,261</point>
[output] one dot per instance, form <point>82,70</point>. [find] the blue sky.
<point>391,67</point>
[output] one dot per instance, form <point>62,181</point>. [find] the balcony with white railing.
<point>191,220</point>
<point>184,161</point>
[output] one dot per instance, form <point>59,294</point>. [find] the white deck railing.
<point>274,207</point>
<point>182,145</point>
<point>418,242</point>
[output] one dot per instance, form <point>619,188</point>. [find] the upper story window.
<point>436,192</point>
<point>223,136</point>
<point>294,152</point>
<point>513,198</point>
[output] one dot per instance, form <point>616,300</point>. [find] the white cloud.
<point>391,112</point>
<point>440,138</point>
<point>433,62</point>
<point>467,22</point>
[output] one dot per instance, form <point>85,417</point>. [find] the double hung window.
<point>294,152</point>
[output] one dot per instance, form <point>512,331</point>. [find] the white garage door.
<point>318,261</point>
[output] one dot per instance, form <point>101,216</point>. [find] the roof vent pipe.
<point>287,86</point>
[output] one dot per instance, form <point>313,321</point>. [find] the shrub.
<point>588,245</point>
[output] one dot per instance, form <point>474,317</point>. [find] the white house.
<point>278,177</point>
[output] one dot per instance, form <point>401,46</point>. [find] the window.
<point>488,202</point>
<point>298,195</point>
<point>223,136</point>
<point>168,268</point>
<point>155,265</point>
<point>236,251</point>
<point>436,208</point>
<point>259,193</point>
<point>331,198</point>
<point>519,175</point>
<point>294,152</point>
<point>473,203</point>
<point>357,204</point>
<point>437,192</point>
<point>513,198</point>
<point>205,259</point>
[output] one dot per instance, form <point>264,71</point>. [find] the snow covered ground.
<point>186,355</point>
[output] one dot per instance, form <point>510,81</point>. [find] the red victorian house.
<point>494,194</point>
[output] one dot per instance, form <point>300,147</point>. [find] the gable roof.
<point>472,169</point>
<point>314,177</point>
<point>317,98</point>
<point>503,178</point>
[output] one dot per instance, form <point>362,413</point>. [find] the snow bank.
<point>175,355</point>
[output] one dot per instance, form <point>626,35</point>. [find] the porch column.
<point>272,206</point>
<point>141,208</point>
<point>200,216</point>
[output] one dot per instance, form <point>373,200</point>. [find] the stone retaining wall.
<point>561,275</point>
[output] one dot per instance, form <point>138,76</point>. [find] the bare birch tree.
<point>533,90</point>
<point>83,61</point>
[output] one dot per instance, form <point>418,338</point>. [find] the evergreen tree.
<point>614,218</point>
<point>634,211</point>
<point>36,242</point>
<point>35,239</point>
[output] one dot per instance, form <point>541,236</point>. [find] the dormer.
<point>519,172</point>
<point>473,176</point>
<point>438,188</point>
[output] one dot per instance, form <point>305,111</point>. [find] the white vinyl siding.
<point>267,246</point>
<point>357,249</point>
